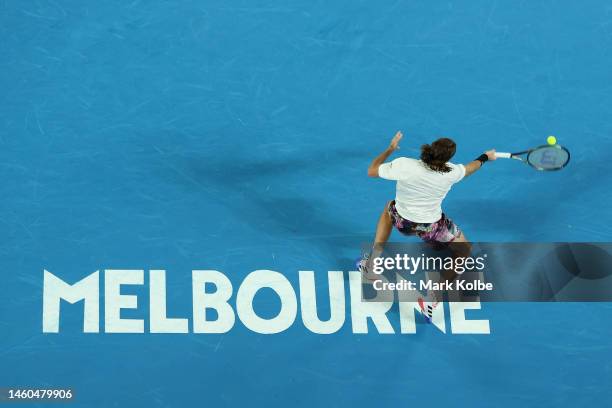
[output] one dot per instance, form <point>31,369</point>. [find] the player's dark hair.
<point>437,154</point>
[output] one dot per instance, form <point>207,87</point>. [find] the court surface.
<point>236,136</point>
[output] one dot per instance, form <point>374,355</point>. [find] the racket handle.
<point>501,155</point>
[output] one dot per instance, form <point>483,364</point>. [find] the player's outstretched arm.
<point>475,165</point>
<point>380,159</point>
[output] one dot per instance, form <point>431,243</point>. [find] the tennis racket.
<point>544,158</point>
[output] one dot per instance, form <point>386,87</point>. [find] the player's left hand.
<point>396,139</point>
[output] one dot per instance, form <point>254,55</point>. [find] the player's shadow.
<point>244,185</point>
<point>292,218</point>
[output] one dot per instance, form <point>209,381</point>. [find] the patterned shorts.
<point>442,231</point>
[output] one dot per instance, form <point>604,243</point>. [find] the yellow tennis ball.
<point>551,140</point>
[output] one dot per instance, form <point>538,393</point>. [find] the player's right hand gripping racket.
<point>544,158</point>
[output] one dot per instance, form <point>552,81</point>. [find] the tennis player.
<point>422,185</point>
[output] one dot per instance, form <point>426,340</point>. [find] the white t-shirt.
<point>420,190</point>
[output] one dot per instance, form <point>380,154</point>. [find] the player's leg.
<point>460,247</point>
<point>383,231</point>
<point>461,237</point>
<point>444,232</point>
<point>384,227</point>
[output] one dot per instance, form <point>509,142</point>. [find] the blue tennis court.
<point>236,136</point>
